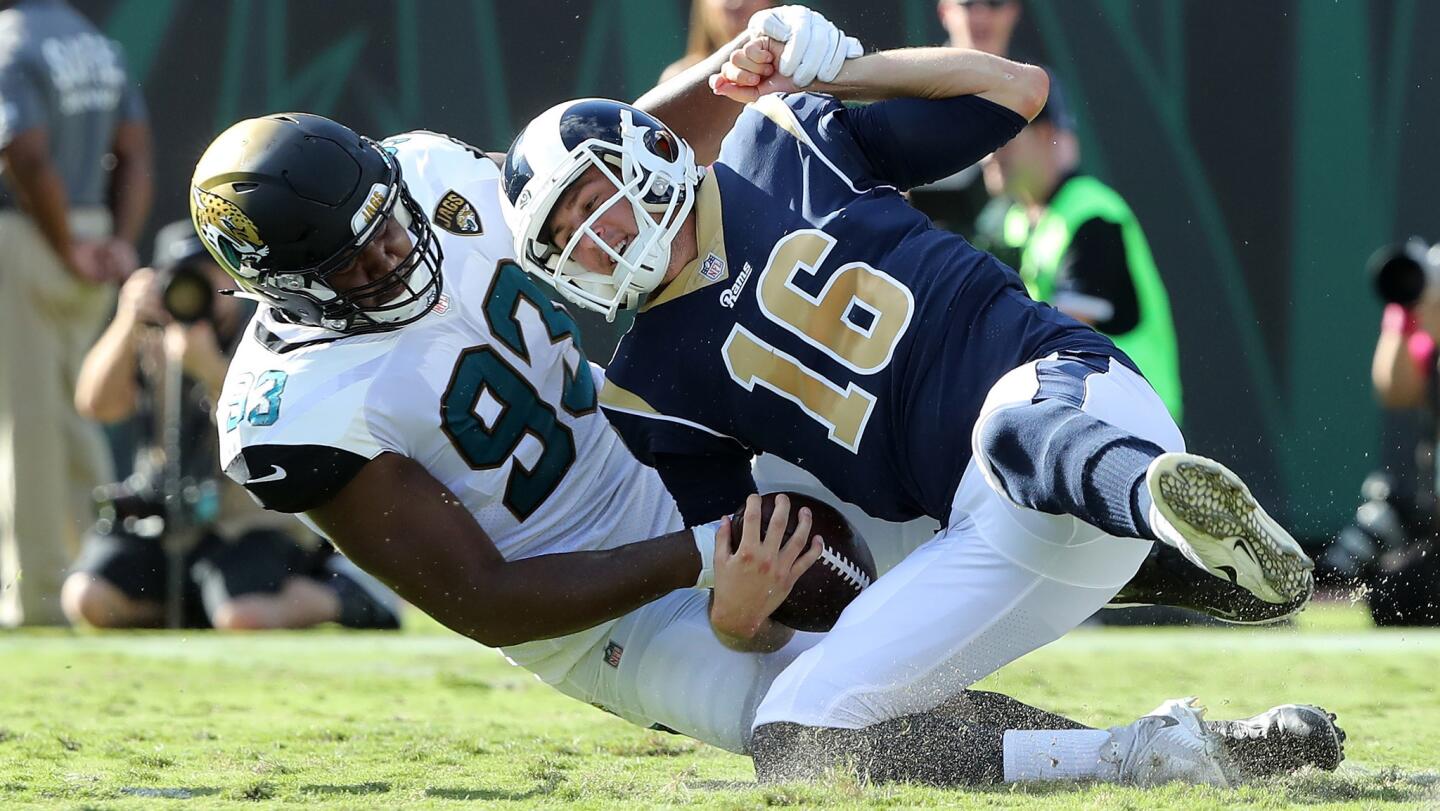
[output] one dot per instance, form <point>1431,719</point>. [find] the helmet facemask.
<point>400,297</point>
<point>304,296</point>
<point>655,174</point>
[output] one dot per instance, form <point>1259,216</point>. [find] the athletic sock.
<point>1059,754</point>
<point>1052,457</point>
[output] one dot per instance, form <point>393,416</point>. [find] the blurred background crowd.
<point>1224,189</point>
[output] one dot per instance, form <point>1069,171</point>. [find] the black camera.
<point>1401,273</point>
<point>137,506</point>
<point>186,291</point>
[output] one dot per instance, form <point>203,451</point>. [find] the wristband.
<point>705,545</point>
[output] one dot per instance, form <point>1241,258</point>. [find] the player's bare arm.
<point>400,524</point>
<point>700,116</point>
<point>927,73</point>
<point>806,46</point>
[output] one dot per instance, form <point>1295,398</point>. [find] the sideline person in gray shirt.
<point>75,189</point>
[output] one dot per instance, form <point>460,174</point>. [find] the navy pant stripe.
<point>1064,378</point>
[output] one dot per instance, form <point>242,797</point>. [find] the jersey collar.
<point>709,244</point>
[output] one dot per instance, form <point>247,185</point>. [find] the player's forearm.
<point>131,183</point>
<point>553,595</point>
<point>687,106</point>
<point>941,73</point>
<point>41,189</point>
<point>395,521</point>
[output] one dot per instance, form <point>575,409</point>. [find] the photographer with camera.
<point>1389,549</point>
<point>176,534</point>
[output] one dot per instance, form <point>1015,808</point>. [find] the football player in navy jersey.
<point>790,301</point>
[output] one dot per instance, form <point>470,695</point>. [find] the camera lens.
<point>187,293</point>
<point>1401,272</point>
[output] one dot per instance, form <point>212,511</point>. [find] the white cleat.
<point>1282,740</point>
<point>1203,509</point>
<point>1170,744</point>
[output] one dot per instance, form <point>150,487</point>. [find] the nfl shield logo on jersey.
<point>713,268</point>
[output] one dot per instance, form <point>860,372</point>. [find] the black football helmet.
<point>285,200</point>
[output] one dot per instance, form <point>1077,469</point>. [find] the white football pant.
<point>997,582</point>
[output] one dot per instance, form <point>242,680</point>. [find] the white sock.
<point>1058,754</point>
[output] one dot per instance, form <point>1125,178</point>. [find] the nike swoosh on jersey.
<point>274,475</point>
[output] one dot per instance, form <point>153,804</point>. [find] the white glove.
<point>705,544</point>
<point>814,47</point>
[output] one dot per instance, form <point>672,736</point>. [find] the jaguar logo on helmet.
<point>230,235</point>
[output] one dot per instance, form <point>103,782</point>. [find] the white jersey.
<point>489,392</point>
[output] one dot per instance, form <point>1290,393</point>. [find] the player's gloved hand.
<point>753,580</point>
<point>814,46</point>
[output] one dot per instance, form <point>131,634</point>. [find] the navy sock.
<point>1052,457</point>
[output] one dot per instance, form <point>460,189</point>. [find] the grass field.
<point>427,719</point>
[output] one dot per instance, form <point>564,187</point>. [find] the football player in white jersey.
<point>415,397</point>
<point>410,392</point>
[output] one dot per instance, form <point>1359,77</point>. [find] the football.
<point>844,569</point>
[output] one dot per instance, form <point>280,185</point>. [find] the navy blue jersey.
<point>827,321</point>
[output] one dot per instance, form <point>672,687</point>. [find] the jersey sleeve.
<point>295,440</point>
<point>911,142</point>
<point>294,478</point>
<point>708,475</point>
<point>901,142</point>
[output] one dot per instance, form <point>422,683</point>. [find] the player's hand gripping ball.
<point>844,569</point>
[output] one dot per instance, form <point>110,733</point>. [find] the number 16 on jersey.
<point>857,319</point>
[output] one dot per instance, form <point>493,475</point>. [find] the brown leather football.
<point>845,566</point>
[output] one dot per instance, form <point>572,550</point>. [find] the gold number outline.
<point>847,437</point>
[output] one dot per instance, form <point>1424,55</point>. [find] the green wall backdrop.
<point>1268,146</point>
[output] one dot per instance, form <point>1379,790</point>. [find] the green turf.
<point>427,719</point>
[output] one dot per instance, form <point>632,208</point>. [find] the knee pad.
<point>1017,446</point>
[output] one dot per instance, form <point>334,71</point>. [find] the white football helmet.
<point>653,171</point>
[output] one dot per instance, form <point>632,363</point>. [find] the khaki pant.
<point>50,458</point>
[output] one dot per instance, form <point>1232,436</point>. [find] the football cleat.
<point>1167,578</point>
<point>1170,744</point>
<point>1281,740</point>
<point>1203,509</point>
